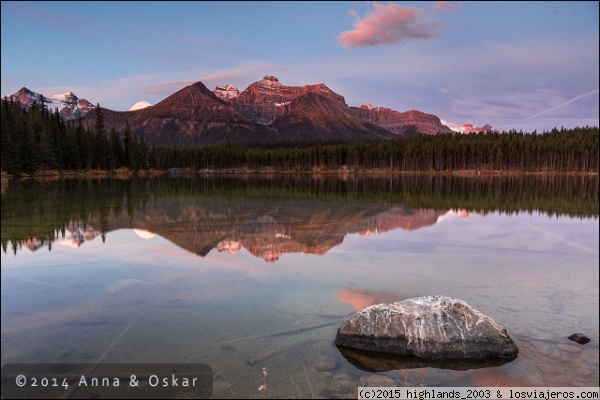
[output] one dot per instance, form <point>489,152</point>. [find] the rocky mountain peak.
<point>270,78</point>
<point>26,92</point>
<point>268,82</point>
<point>470,128</point>
<point>73,106</point>
<point>408,123</point>
<point>26,97</point>
<point>266,85</point>
<point>83,103</point>
<point>266,100</point>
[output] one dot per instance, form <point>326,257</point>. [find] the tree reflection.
<point>273,214</point>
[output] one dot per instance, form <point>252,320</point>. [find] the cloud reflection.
<point>362,298</point>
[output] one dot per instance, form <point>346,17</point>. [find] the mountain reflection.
<point>269,216</point>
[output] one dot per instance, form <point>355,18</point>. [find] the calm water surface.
<point>246,273</point>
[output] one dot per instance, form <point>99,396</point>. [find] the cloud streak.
<point>561,105</point>
<point>167,88</point>
<point>393,23</point>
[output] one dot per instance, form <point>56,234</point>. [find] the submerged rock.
<point>326,364</point>
<point>579,338</point>
<point>433,327</point>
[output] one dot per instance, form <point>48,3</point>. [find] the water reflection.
<point>382,362</point>
<point>359,299</point>
<point>270,216</point>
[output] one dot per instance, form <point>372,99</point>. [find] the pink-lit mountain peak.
<point>471,128</point>
<point>265,100</point>
<point>72,106</point>
<point>270,85</point>
<point>269,81</point>
<point>404,123</point>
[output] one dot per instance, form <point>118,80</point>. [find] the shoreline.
<point>124,173</point>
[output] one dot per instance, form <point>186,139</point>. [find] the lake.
<point>250,272</point>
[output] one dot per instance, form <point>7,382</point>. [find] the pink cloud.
<point>394,23</point>
<point>444,6</point>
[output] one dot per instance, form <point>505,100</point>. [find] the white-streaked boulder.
<point>433,327</point>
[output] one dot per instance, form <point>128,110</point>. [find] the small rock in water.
<point>579,338</point>
<point>433,327</point>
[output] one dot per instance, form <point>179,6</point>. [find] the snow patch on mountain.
<point>450,125</point>
<point>369,107</point>
<point>227,92</point>
<point>67,96</point>
<point>140,105</point>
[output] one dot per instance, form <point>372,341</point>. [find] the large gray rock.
<point>435,327</point>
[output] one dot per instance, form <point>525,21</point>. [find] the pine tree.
<point>101,141</point>
<point>116,150</point>
<point>128,147</point>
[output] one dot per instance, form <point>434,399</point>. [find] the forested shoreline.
<point>37,140</point>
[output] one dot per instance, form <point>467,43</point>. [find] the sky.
<point>514,65</point>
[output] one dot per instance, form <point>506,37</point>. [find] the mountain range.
<point>266,111</point>
<point>72,106</point>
